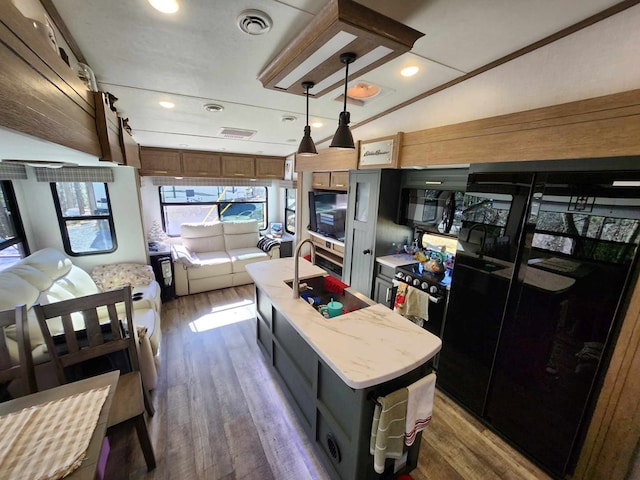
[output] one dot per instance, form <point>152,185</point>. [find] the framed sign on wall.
<point>380,152</point>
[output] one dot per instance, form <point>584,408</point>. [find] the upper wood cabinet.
<point>233,166</point>
<point>160,161</point>
<point>340,180</point>
<point>191,163</point>
<point>330,180</point>
<point>321,179</point>
<point>267,167</point>
<point>201,164</point>
<point>39,94</point>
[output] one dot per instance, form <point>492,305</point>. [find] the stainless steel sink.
<point>315,287</point>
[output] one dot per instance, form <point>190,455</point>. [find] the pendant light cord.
<point>307,104</point>
<point>346,81</point>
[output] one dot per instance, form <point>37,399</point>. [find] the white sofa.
<point>48,276</point>
<point>214,255</point>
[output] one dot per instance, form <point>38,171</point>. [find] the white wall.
<point>38,212</point>
<point>599,60</point>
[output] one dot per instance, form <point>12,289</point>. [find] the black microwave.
<point>437,211</point>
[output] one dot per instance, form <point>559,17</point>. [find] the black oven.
<point>436,286</point>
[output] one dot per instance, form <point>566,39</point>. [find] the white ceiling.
<point>200,56</point>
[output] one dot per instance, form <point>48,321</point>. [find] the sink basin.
<point>315,287</point>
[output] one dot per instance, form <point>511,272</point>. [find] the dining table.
<point>88,466</point>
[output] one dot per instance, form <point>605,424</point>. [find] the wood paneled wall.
<point>328,159</point>
<point>606,126</point>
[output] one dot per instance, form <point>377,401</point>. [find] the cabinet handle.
<point>339,185</point>
<point>366,252</point>
<point>386,297</point>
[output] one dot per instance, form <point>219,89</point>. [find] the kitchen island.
<point>332,370</point>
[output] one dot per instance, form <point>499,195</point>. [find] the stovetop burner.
<point>417,276</point>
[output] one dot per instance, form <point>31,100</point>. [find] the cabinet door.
<point>201,164</point>
<point>321,179</point>
<point>340,180</point>
<point>108,125</point>
<point>130,148</point>
<point>382,291</point>
<point>160,161</point>
<point>269,167</point>
<point>238,167</point>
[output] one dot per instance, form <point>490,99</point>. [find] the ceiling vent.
<point>254,22</point>
<point>236,133</point>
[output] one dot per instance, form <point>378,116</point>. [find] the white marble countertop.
<point>365,347</point>
<point>396,260</point>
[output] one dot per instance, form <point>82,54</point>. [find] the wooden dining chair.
<point>23,370</point>
<point>85,339</point>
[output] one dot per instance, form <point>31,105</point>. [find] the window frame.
<point>20,236</point>
<point>217,204</point>
<point>62,222</point>
<point>289,210</point>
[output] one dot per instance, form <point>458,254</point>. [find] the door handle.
<point>366,252</point>
<point>386,297</point>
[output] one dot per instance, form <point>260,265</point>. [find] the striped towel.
<point>419,406</point>
<point>387,430</point>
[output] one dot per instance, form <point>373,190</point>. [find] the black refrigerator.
<point>540,279</point>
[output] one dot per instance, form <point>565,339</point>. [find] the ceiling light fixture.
<point>362,90</point>
<point>409,71</point>
<point>165,6</point>
<point>317,124</point>
<point>167,104</point>
<point>343,138</point>
<point>307,147</point>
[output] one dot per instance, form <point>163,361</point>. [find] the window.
<point>290,210</point>
<point>13,242</point>
<point>195,204</point>
<point>84,215</point>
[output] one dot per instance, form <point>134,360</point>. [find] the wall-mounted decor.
<point>380,152</point>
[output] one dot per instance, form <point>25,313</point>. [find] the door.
<point>360,237</point>
<point>494,206</point>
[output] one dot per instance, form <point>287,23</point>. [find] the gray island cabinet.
<point>332,370</point>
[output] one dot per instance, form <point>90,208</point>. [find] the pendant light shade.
<point>307,147</point>
<point>343,138</point>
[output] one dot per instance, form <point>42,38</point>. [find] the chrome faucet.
<point>482,227</point>
<point>296,256</point>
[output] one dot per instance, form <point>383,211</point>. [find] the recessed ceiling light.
<point>362,90</point>
<point>289,118</point>
<point>317,124</point>
<point>213,107</point>
<point>167,104</point>
<point>409,71</point>
<point>183,144</point>
<point>165,6</point>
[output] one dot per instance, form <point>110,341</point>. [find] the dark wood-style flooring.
<point>220,414</point>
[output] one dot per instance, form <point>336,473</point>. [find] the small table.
<point>88,467</point>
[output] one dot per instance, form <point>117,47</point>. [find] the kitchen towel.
<point>387,429</point>
<point>416,303</point>
<point>420,396</point>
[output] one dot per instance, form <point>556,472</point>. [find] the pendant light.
<point>343,137</point>
<point>307,147</point>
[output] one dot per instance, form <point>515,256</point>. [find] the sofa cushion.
<point>240,234</point>
<point>110,277</point>
<point>15,290</point>
<point>240,257</point>
<point>78,283</point>
<point>202,237</point>
<point>50,261</point>
<point>211,264</point>
<point>32,275</point>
